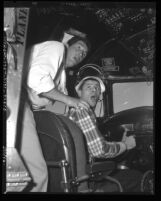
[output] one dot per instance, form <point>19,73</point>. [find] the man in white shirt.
<point>46,84</point>
<point>46,77</point>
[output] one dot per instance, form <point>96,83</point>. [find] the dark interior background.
<point>131,24</point>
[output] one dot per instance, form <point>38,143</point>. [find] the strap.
<point>56,79</point>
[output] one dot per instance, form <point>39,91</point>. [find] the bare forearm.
<point>56,95</point>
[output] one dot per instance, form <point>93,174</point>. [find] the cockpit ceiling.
<point>120,19</point>
<point>132,24</point>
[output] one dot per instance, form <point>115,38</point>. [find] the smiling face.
<point>76,53</point>
<point>90,92</point>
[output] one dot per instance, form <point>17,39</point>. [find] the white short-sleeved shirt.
<point>45,71</point>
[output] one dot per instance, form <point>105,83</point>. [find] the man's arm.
<point>97,145</point>
<point>55,94</point>
<point>41,82</point>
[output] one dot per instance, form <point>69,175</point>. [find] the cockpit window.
<point>132,94</point>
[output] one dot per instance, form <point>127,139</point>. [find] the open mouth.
<point>93,98</point>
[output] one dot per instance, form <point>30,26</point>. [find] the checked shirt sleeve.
<point>97,145</point>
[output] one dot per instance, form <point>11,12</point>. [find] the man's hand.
<point>75,102</point>
<point>130,142</point>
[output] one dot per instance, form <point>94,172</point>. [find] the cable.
<point>115,181</point>
<point>100,107</point>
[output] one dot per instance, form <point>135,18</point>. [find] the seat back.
<point>57,145</point>
<point>81,151</point>
<point>61,139</point>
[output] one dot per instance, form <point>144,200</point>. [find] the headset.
<point>89,70</point>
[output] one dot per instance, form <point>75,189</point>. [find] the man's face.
<point>76,53</point>
<point>90,92</point>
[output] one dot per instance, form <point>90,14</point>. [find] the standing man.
<point>89,90</point>
<point>46,84</point>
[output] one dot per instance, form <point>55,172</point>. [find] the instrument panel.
<point>138,122</point>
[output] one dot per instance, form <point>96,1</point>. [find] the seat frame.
<point>73,171</point>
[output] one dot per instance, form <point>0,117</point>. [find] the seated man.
<point>89,90</point>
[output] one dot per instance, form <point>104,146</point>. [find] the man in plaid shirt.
<point>89,90</point>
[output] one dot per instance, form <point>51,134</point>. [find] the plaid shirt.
<point>98,147</point>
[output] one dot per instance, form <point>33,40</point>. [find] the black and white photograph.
<point>78,96</point>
